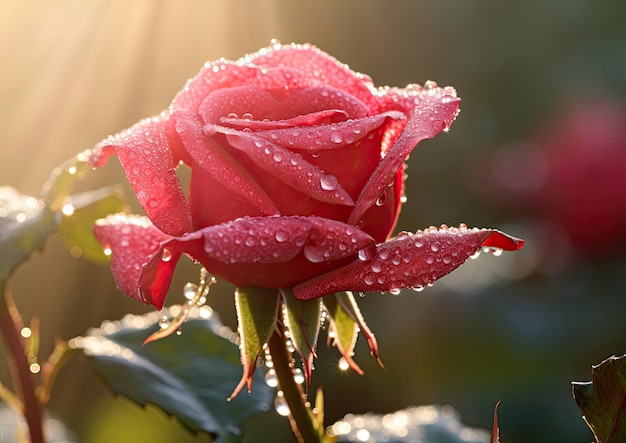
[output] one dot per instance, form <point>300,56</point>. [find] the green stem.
<point>300,417</point>
<point>9,325</point>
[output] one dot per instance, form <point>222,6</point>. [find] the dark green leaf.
<point>188,376</point>
<point>257,311</point>
<point>603,400</point>
<point>423,424</point>
<point>76,228</point>
<point>25,222</point>
<point>303,318</point>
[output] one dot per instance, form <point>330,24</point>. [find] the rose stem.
<point>9,324</point>
<point>300,416</point>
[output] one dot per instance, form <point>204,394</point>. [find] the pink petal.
<point>327,137</point>
<point>312,119</point>
<point>408,260</point>
<point>239,100</point>
<point>434,111</point>
<point>133,240</point>
<point>220,165</point>
<point>319,65</point>
<point>318,98</point>
<point>279,239</point>
<point>288,167</point>
<point>149,164</point>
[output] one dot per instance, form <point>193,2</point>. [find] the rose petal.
<point>149,164</point>
<point>220,165</point>
<point>315,118</point>
<point>239,100</point>
<point>319,65</point>
<point>279,239</point>
<point>287,167</point>
<point>133,240</point>
<point>327,137</point>
<point>434,111</point>
<point>408,260</point>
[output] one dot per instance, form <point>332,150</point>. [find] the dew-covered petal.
<point>327,137</point>
<point>319,65</point>
<point>288,167</point>
<point>132,241</point>
<point>259,126</point>
<point>220,165</point>
<point>434,111</point>
<point>280,239</point>
<point>239,101</point>
<point>149,163</point>
<point>408,260</point>
<point>307,100</point>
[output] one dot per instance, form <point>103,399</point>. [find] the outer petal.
<point>149,164</point>
<point>133,241</point>
<point>434,111</point>
<point>248,251</point>
<point>408,260</point>
<point>319,65</point>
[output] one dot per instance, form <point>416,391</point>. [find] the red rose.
<point>297,172</point>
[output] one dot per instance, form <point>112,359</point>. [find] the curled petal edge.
<point>407,261</point>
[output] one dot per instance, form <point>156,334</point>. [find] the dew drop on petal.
<point>336,137</point>
<point>164,322</point>
<point>298,376</point>
<point>328,182</point>
<point>166,255</point>
<point>281,236</point>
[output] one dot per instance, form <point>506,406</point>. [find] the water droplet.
<point>381,200</point>
<point>247,116</point>
<point>164,322</point>
<point>278,157</point>
<point>232,115</point>
<point>447,259</point>
<point>336,137</point>
<point>328,182</point>
<point>179,331</point>
<point>429,259</point>
<point>271,379</point>
<point>364,255</point>
<point>475,255</point>
<point>384,254</point>
<point>298,376</point>
<point>369,280</point>
<point>189,291</point>
<point>281,236</point>
<point>166,255</point>
<point>394,291</point>
<point>434,247</point>
<point>343,364</point>
<point>280,404</point>
<point>376,267</point>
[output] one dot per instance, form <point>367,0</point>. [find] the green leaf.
<point>422,424</point>
<point>257,311</point>
<point>603,400</point>
<point>76,228</point>
<point>25,223</point>
<point>343,329</point>
<point>62,179</point>
<point>303,320</point>
<point>188,376</point>
<point>349,304</point>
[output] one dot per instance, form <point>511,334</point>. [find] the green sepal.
<point>188,376</point>
<point>347,301</point>
<point>303,320</point>
<point>603,400</point>
<point>76,229</point>
<point>343,330</point>
<point>257,313</point>
<point>25,223</point>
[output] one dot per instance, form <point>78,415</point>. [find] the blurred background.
<point>538,150</point>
